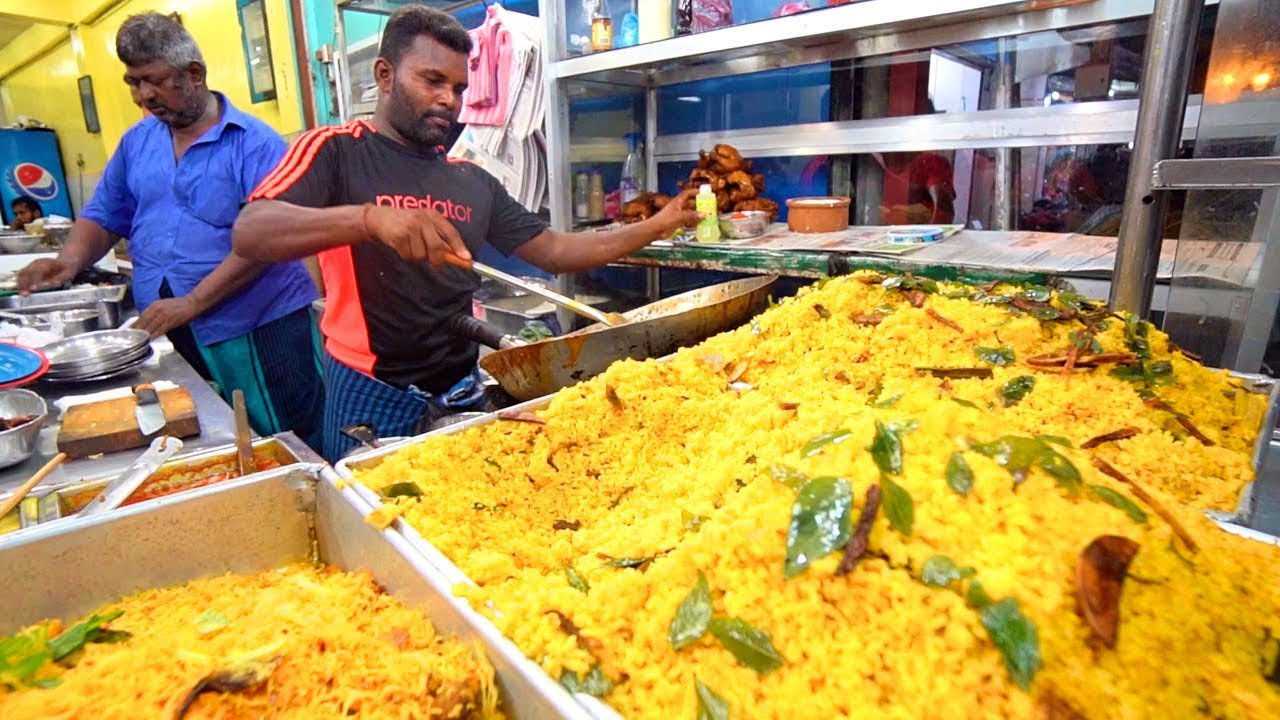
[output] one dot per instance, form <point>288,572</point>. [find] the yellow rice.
<point>345,649</point>
<point>678,444</point>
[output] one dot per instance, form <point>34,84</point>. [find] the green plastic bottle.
<point>705,203</point>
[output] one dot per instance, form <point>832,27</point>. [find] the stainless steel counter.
<point>217,425</point>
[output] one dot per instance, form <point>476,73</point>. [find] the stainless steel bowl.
<point>17,244</point>
<point>17,444</point>
<point>744,224</point>
<point>70,321</point>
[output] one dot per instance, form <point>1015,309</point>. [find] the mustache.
<point>440,115</point>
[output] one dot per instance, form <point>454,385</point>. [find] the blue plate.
<point>17,362</point>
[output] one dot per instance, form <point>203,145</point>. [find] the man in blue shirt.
<point>174,187</point>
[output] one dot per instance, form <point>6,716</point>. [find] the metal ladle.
<point>565,302</point>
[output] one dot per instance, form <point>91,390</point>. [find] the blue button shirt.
<point>178,217</point>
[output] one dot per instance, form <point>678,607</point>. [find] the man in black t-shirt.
<point>382,206</point>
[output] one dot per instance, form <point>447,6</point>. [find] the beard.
<point>412,124</point>
<point>190,110</point>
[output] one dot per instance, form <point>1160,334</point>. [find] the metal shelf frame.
<point>1252,173</point>
<point>865,29</point>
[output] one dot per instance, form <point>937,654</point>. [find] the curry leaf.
<point>1059,468</point>
<point>749,645</point>
<point>1016,638</point>
<point>628,562</point>
<point>975,596</point>
<point>959,474</point>
<point>402,489</point>
<point>904,426</point>
<point>964,403</point>
<point>1036,293</point>
<point>1046,313</point>
<point>898,506</point>
<point>595,683</point>
<point>1013,391</point>
<point>1159,372</point>
<point>691,521</point>
<point>576,581</point>
<point>210,621</point>
<point>1111,497</point>
<point>983,298</point>
<point>1055,439</point>
<point>941,571</point>
<point>816,445</point>
<point>886,449</point>
<point>75,637</point>
<point>1135,335</point>
<point>710,705</point>
<point>788,475</point>
<point>820,523</point>
<point>693,615</point>
<point>1016,454</point>
<point>1002,355</point>
<point>887,402</point>
<point>22,655</point>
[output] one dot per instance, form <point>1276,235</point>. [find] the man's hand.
<point>674,216</point>
<point>164,315</point>
<point>416,235</point>
<point>44,273</point>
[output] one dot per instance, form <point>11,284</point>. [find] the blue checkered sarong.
<point>352,398</point>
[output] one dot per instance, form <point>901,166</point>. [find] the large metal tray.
<point>59,501</point>
<point>99,293</point>
<point>368,501</point>
<point>246,525</point>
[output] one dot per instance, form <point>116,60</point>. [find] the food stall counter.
<point>217,424</point>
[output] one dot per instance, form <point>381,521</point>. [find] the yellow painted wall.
<point>45,87</point>
<point>47,90</point>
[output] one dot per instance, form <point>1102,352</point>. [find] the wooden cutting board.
<point>110,425</point>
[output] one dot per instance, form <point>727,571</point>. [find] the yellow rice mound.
<point>345,649</point>
<point>670,460</point>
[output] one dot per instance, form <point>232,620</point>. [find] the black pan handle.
<point>475,329</point>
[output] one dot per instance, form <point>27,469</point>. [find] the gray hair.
<point>150,36</point>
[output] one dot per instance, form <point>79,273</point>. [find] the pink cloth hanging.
<point>488,91</point>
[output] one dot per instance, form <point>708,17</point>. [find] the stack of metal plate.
<point>95,356</point>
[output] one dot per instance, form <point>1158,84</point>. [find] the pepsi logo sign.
<point>33,181</point>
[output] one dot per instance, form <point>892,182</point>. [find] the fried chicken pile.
<point>730,176</point>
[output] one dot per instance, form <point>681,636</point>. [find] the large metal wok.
<point>537,369</point>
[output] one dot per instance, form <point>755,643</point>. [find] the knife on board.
<point>119,490</point>
<point>149,413</point>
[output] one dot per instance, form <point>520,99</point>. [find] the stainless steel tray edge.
<point>68,569</point>
<point>527,686</point>
<point>365,460</point>
<point>248,524</point>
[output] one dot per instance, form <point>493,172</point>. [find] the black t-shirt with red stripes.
<point>384,315</point>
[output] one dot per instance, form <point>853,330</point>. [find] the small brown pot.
<point>818,214</point>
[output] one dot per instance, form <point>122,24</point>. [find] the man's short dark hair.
<point>410,21</point>
<point>27,203</point>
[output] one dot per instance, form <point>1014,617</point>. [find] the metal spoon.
<point>566,302</point>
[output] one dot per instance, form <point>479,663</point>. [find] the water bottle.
<point>708,230</point>
<point>632,170</point>
<point>630,33</point>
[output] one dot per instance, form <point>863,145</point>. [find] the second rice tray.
<point>259,596</point>
<point>888,496</point>
<point>60,502</point>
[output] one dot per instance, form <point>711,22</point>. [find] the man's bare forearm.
<point>231,275</point>
<point>86,244</point>
<point>575,252</point>
<point>275,231</point>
